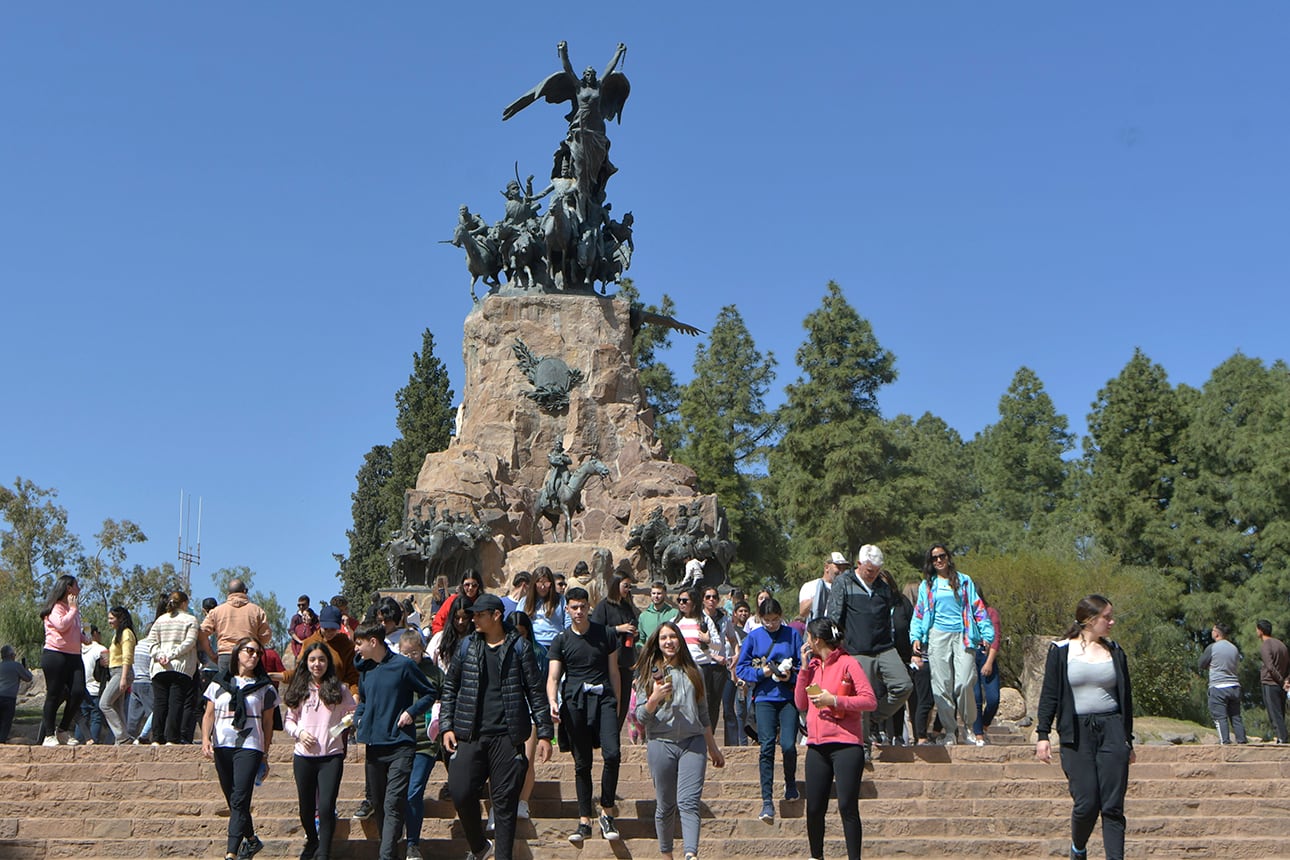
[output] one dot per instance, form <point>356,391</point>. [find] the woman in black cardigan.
<point>1087,691</point>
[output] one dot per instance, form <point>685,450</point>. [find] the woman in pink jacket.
<point>317,705</point>
<point>837,692</point>
<point>61,661</point>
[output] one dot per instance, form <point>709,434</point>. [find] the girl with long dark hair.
<point>472,585</point>
<point>546,607</point>
<point>317,704</point>
<point>1087,692</point>
<point>670,707</point>
<point>112,701</point>
<point>835,694</point>
<point>60,661</point>
<point>237,731</point>
<point>618,612</point>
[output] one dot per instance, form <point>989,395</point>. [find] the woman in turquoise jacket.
<point>950,622</point>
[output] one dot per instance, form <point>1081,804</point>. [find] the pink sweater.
<point>316,718</point>
<point>842,676</point>
<point>63,629</point>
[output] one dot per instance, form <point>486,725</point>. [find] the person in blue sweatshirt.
<point>769,659</point>
<point>394,694</point>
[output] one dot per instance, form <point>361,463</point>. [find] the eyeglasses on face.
<point>683,600</point>
<point>939,556</point>
<point>252,650</point>
<point>709,597</point>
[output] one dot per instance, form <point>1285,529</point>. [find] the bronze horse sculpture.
<point>568,497</point>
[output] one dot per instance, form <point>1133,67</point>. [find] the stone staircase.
<point>928,802</point>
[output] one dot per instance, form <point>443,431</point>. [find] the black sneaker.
<point>607,828</point>
<point>580,835</point>
<point>310,849</point>
<point>364,811</point>
<point>251,846</point>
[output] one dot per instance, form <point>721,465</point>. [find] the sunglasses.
<point>256,651</point>
<point>683,600</point>
<point>940,556</point>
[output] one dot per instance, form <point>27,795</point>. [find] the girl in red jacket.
<point>837,692</point>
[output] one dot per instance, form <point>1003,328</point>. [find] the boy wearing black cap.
<point>492,697</point>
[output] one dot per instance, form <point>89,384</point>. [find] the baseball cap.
<point>329,618</point>
<point>487,603</point>
<point>838,558</point>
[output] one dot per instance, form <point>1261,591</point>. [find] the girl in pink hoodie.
<point>834,693</point>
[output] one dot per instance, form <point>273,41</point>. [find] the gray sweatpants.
<point>953,677</point>
<point>678,769</point>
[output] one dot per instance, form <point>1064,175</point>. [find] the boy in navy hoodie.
<point>388,714</point>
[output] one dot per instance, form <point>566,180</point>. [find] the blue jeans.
<point>776,718</point>
<point>987,695</point>
<point>422,764</point>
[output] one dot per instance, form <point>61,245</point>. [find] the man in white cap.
<point>813,597</point>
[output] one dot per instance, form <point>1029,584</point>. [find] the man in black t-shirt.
<point>583,656</point>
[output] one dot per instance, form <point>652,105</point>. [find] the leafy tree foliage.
<point>662,394</point>
<point>1131,451</point>
<point>104,576</point>
<point>37,545</point>
<point>725,430</point>
<point>831,470</point>
<point>425,422</point>
<point>424,419</point>
<point>365,568</point>
<point>1020,474</point>
<point>932,482</point>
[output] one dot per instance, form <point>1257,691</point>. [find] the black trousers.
<point>8,707</point>
<point>64,681</point>
<point>921,701</point>
<point>317,786</point>
<point>494,759</point>
<point>1274,699</point>
<point>171,703</point>
<point>1097,769</point>
<point>583,738</point>
<point>388,771</point>
<point>625,678</point>
<point>825,765</point>
<point>715,678</point>
<point>237,769</point>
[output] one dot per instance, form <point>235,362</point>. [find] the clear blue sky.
<point>218,221</point>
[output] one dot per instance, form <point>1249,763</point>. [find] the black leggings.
<point>236,769</point>
<point>64,680</point>
<point>826,763</point>
<point>317,786</point>
<point>170,705</point>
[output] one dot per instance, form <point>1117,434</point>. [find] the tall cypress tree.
<point>662,394</point>
<point>725,430</point>
<point>1019,469</point>
<point>829,473</point>
<point>1131,452</point>
<point>365,569</point>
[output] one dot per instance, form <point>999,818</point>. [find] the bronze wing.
<point>558,87</point>
<point>614,91</point>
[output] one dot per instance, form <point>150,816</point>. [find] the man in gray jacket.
<point>1222,659</point>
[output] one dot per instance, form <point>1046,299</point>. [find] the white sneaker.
<point>50,741</point>
<point>523,810</point>
<point>482,855</point>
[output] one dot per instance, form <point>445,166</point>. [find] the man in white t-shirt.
<point>813,597</point>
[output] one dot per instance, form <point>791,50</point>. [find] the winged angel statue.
<point>594,100</point>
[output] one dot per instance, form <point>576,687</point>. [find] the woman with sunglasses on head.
<point>949,624</point>
<point>1087,692</point>
<point>835,694</point>
<point>317,704</point>
<point>237,731</point>
<point>670,707</point>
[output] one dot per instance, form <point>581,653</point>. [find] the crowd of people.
<point>488,683</point>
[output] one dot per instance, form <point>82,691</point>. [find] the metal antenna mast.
<point>187,555</point>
